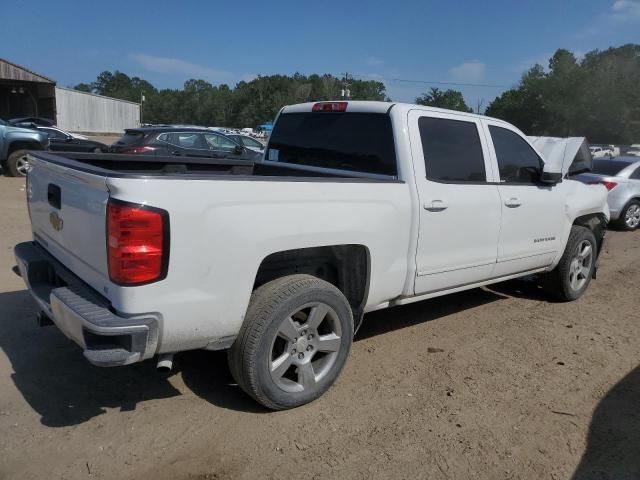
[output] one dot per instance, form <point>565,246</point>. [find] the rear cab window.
<point>350,141</point>
<point>130,137</point>
<point>609,167</point>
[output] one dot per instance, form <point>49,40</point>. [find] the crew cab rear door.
<point>533,213</point>
<point>459,210</point>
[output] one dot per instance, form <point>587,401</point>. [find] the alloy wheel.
<point>305,347</point>
<point>632,216</point>
<point>580,268</point>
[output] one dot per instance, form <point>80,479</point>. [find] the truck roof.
<point>367,106</point>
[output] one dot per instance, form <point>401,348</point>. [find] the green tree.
<point>450,99</point>
<point>249,103</point>
<point>596,97</point>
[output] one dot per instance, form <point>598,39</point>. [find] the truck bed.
<point>126,165</point>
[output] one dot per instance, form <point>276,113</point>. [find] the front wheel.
<point>293,343</point>
<point>18,163</point>
<point>571,277</point>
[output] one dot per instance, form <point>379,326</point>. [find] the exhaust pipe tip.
<point>165,363</point>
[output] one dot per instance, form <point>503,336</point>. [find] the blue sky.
<point>167,43</point>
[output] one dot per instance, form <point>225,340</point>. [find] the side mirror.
<point>549,176</point>
<point>238,150</point>
<point>69,138</point>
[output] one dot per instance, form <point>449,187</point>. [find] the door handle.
<point>176,153</point>
<point>513,202</point>
<point>435,206</point>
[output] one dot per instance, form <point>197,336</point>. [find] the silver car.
<point>621,176</point>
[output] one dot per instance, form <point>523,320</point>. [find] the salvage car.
<point>355,207</point>
<point>621,177</point>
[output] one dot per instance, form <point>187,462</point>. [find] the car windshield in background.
<point>609,167</point>
<point>130,137</point>
<point>358,142</point>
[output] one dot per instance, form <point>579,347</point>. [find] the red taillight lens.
<point>137,243</point>
<point>139,150</point>
<point>330,107</point>
<point>609,185</point>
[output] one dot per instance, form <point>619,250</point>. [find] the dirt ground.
<point>492,383</point>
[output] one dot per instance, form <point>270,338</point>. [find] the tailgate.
<point>68,209</point>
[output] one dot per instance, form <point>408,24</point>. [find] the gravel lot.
<point>492,383</point>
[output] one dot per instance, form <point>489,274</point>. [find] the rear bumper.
<point>108,339</point>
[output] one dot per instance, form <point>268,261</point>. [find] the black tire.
<point>631,223</point>
<point>251,357</point>
<point>15,163</point>
<point>571,277</point>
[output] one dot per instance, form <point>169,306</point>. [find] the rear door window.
<point>358,142</point>
<point>452,150</point>
<point>218,142</point>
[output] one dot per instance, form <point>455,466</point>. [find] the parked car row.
<point>185,141</point>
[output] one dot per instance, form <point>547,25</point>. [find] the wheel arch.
<point>346,266</point>
<point>22,145</point>
<point>597,223</point>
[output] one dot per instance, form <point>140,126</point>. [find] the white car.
<point>634,153</point>
<point>599,152</point>
<point>356,207</point>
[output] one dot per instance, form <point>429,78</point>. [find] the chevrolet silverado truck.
<point>15,142</point>
<point>355,207</point>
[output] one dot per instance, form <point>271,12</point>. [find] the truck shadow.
<point>613,443</point>
<point>64,389</point>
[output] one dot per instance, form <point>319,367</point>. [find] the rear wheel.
<point>18,163</point>
<point>571,277</point>
<point>294,341</point>
<point>630,217</point>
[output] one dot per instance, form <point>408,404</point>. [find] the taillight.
<point>137,243</point>
<point>330,107</point>
<point>609,185</point>
<point>139,150</point>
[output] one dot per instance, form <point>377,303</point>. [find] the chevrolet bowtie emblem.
<point>56,222</point>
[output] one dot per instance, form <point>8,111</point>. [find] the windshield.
<point>360,142</point>
<point>609,167</point>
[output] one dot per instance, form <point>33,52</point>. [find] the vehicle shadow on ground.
<point>613,444</point>
<point>382,321</point>
<point>64,389</point>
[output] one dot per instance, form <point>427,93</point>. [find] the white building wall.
<point>85,112</point>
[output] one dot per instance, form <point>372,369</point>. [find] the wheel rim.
<point>581,265</point>
<point>632,217</point>
<point>22,165</point>
<point>305,347</point>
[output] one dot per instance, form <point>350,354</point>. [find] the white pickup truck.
<point>356,206</point>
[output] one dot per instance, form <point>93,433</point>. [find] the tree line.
<point>596,96</point>
<point>248,104</point>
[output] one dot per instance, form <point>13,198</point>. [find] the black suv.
<point>181,141</point>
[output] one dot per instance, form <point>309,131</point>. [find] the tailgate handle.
<point>54,196</point>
